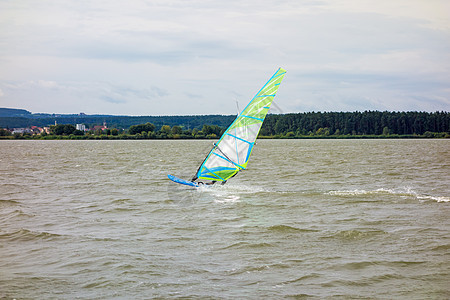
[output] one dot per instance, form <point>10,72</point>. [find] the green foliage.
<point>4,132</point>
<point>429,134</point>
<point>290,134</point>
<point>212,129</point>
<point>134,129</point>
<point>176,130</point>
<point>62,129</point>
<point>323,131</point>
<point>357,123</point>
<point>165,129</point>
<point>17,135</point>
<point>78,132</point>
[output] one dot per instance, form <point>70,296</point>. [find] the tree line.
<point>188,122</point>
<point>356,123</point>
<point>140,131</point>
<point>298,125</point>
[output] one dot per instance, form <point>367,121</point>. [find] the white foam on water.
<point>230,193</point>
<point>438,199</point>
<point>403,192</point>
<point>228,199</point>
<point>357,192</point>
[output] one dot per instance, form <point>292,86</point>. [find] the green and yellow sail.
<point>231,153</point>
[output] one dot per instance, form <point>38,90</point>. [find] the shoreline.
<point>432,135</point>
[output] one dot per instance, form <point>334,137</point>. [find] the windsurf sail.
<point>232,152</point>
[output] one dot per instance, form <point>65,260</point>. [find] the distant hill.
<point>13,112</point>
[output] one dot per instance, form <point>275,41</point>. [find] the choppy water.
<point>310,218</point>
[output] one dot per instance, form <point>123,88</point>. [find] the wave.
<point>243,245</point>
<point>121,200</point>
<point>17,213</point>
<point>437,199</point>
<point>405,192</point>
<point>355,234</point>
<point>360,265</point>
<point>8,202</point>
<point>28,235</point>
<point>257,268</point>
<point>288,229</point>
<point>303,278</point>
<point>441,247</point>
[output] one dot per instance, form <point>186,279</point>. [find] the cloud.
<point>194,96</point>
<point>158,91</point>
<point>113,100</point>
<point>77,96</point>
<point>432,15</point>
<point>339,54</point>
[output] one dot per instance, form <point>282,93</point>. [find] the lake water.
<point>308,219</point>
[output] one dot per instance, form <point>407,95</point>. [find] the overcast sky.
<point>177,57</point>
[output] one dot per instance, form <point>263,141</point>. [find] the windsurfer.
<point>206,183</point>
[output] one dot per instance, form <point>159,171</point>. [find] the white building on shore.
<point>81,127</point>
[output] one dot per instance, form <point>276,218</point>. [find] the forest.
<point>368,124</point>
<point>356,123</point>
